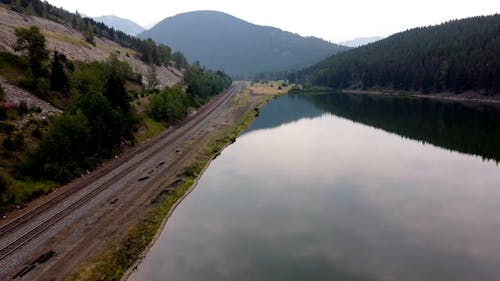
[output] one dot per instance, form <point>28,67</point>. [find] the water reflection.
<point>472,129</point>
<point>326,198</point>
<point>285,110</point>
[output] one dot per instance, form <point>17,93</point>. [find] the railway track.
<point>172,136</point>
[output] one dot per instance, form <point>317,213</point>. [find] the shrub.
<point>2,93</point>
<point>4,184</point>
<point>170,105</point>
<point>22,108</point>
<point>37,133</point>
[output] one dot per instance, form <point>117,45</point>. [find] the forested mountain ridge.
<point>457,56</point>
<point>221,41</point>
<point>125,25</point>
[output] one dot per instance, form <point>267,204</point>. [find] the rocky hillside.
<point>70,42</point>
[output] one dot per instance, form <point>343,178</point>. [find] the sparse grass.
<point>112,263</point>
<point>74,40</point>
<point>148,129</point>
<point>116,49</point>
<point>12,66</point>
<point>20,191</point>
<point>270,88</point>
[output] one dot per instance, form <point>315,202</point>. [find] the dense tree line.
<point>91,129</point>
<point>149,51</point>
<point>203,83</point>
<point>172,104</point>
<point>169,105</point>
<point>456,56</point>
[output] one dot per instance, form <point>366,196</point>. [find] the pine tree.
<point>58,78</point>
<point>115,92</point>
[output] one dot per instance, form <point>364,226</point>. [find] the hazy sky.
<point>328,19</point>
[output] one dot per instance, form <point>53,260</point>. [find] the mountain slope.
<point>72,44</point>
<point>457,56</point>
<point>361,41</point>
<point>121,24</point>
<point>224,42</point>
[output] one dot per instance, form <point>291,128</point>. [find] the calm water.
<point>339,187</point>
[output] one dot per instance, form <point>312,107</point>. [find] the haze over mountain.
<point>361,41</point>
<point>221,41</point>
<point>121,24</point>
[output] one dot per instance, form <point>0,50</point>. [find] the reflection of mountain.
<point>284,110</point>
<point>464,128</point>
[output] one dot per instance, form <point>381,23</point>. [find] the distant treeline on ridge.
<point>457,56</point>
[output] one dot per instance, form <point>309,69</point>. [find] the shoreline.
<point>163,225</point>
<point>119,260</point>
<point>247,119</point>
<point>467,97</point>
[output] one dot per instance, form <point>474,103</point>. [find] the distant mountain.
<point>121,24</point>
<point>221,41</point>
<point>361,41</point>
<point>149,25</point>
<point>457,56</point>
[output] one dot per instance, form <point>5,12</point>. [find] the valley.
<point>215,146</point>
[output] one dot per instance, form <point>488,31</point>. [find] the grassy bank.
<point>123,253</point>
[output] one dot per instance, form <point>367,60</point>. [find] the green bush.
<point>13,143</point>
<point>22,108</point>
<point>203,83</point>
<point>3,113</point>
<point>42,88</point>
<point>4,184</point>
<point>2,93</point>
<point>61,154</point>
<point>170,105</point>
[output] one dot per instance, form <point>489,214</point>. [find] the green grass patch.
<point>149,129</point>
<point>74,40</point>
<point>12,66</point>
<point>20,191</point>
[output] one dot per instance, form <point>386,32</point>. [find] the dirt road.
<point>49,238</point>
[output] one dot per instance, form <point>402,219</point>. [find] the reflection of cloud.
<point>340,198</point>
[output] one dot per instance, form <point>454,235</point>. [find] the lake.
<point>344,187</point>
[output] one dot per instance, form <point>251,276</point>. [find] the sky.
<point>331,20</point>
